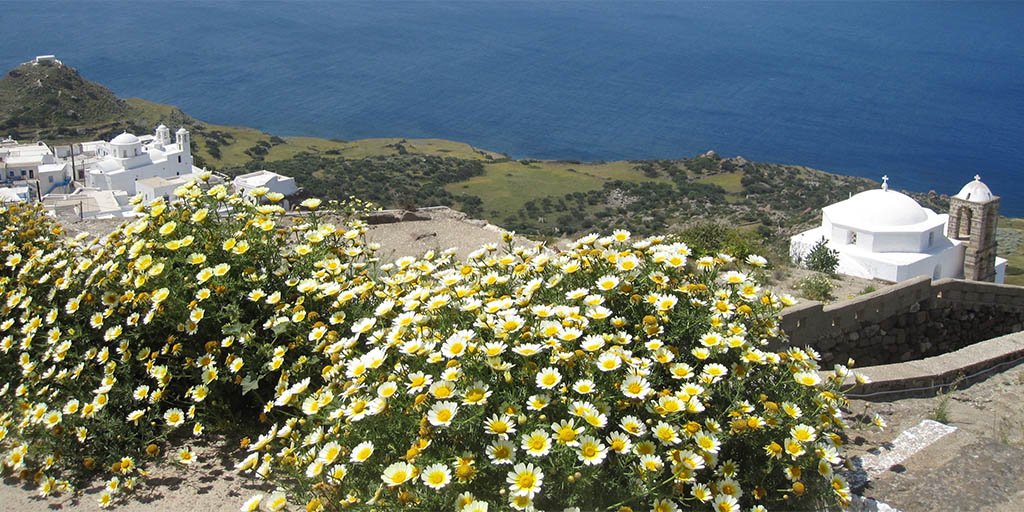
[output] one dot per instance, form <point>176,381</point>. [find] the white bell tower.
<point>182,139</point>
<point>163,135</point>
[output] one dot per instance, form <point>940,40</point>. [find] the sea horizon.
<point>929,94</point>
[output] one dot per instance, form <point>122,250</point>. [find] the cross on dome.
<point>885,182</point>
<point>977,177</point>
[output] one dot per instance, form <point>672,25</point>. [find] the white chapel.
<point>884,234</point>
<point>127,159</point>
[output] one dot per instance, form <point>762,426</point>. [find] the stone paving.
<point>979,466</point>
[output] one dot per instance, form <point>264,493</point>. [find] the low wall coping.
<point>929,375</point>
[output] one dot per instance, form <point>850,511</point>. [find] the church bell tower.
<point>973,216</point>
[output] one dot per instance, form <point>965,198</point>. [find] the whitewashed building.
<point>91,203</point>
<point>884,234</point>
<point>126,159</point>
<point>273,181</point>
<point>16,194</point>
<point>20,163</point>
<point>152,188</point>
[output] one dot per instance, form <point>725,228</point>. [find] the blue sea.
<point>928,93</point>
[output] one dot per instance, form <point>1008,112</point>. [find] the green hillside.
<point>53,98</point>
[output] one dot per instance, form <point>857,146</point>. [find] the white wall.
<point>150,192</point>
<point>950,263</point>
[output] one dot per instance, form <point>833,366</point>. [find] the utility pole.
<point>74,170</point>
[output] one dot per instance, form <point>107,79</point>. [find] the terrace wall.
<point>911,320</point>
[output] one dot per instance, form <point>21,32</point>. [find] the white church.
<point>128,159</point>
<point>884,234</point>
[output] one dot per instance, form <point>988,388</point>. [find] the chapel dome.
<point>877,208</point>
<point>975,191</point>
<point>125,139</point>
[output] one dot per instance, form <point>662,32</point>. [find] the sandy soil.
<point>209,485</point>
<point>846,287</point>
<point>442,230</point>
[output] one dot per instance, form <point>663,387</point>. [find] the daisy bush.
<point>617,374</point>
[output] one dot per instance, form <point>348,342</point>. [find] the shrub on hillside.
<point>822,258</point>
<point>713,237</point>
<point>817,287</point>
<point>620,372</point>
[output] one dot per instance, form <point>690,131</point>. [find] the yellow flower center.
<point>525,480</point>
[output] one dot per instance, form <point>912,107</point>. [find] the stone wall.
<point>910,320</point>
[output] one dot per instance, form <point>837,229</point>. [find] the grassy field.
<point>506,186</point>
<point>730,181</point>
<point>365,148</point>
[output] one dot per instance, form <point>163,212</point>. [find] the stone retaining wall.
<point>910,320</point>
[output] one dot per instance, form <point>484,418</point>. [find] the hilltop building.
<point>45,60</point>
<point>887,235</point>
<point>120,163</point>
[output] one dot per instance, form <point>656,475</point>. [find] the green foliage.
<point>822,258</point>
<point>392,182</point>
<point>940,412</point>
<point>817,287</point>
<point>46,97</point>
<point>259,150</point>
<point>713,237</point>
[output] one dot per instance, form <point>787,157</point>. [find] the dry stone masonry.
<point>910,320</point>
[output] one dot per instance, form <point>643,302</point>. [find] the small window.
<point>851,238</point>
<point>179,159</point>
<point>51,179</point>
<point>931,239</point>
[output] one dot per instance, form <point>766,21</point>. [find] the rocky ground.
<point>980,466</point>
<point>844,287</point>
<point>208,485</point>
<point>436,229</point>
